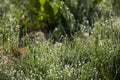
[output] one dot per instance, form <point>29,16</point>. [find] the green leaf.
<point>49,9</point>
<point>42,2</point>
<point>57,7</point>
<point>42,8</point>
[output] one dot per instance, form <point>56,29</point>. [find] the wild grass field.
<point>89,52</point>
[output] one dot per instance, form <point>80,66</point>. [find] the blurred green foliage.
<point>48,15</point>
<point>42,14</point>
<point>94,56</point>
<point>62,16</point>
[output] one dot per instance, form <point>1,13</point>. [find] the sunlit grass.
<point>82,59</point>
<point>87,57</point>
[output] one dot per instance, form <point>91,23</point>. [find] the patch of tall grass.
<point>91,57</point>
<point>87,58</point>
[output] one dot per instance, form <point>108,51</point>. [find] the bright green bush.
<point>42,14</point>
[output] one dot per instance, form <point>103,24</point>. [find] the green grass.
<point>91,57</point>
<point>85,58</point>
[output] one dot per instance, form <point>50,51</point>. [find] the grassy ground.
<point>87,57</point>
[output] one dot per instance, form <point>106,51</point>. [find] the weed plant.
<point>91,57</point>
<point>85,58</point>
<point>9,25</point>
